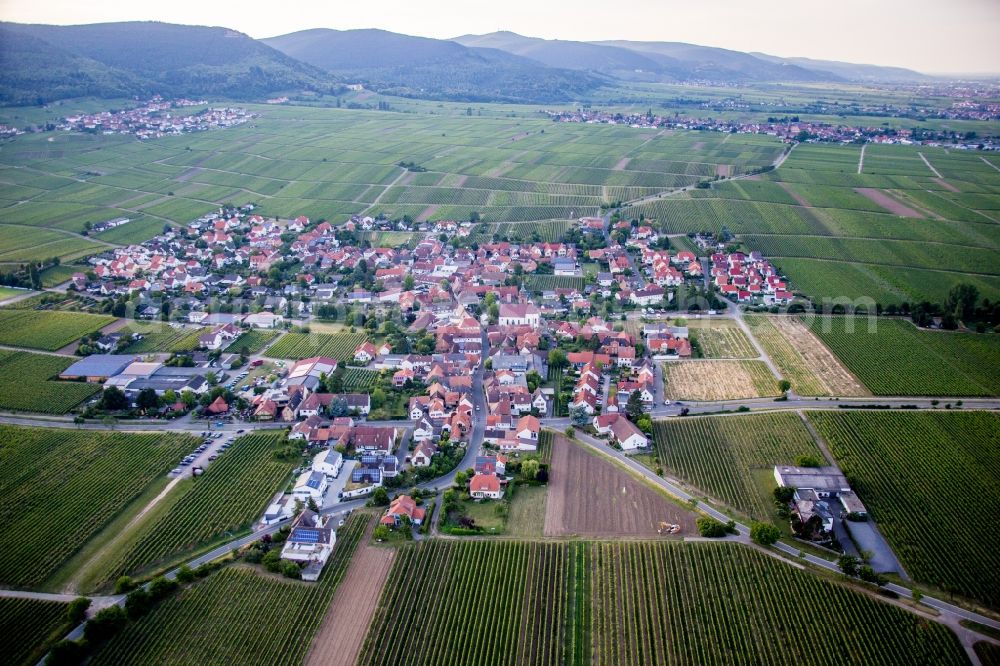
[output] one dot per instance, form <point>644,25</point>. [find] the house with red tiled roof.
<point>486,486</point>
<point>403,507</point>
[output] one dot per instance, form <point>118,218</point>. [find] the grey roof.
<point>98,365</point>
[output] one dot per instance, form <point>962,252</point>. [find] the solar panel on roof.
<point>305,535</point>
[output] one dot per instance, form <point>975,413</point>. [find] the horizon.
<point>966,45</point>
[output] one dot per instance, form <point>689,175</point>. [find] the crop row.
<point>26,626</point>
<point>163,338</point>
<point>58,488</point>
<point>920,475</point>
<point>252,341</point>
<point>39,329</point>
<point>340,346</point>
<point>237,616</point>
<point>699,603</point>
<point>359,379</point>
<point>232,492</point>
<point>720,455</point>
<point>472,603</point>
<point>27,383</point>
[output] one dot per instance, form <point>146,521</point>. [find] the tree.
<point>784,385</point>
<point>290,569</point>
<point>408,283</point>
<point>764,534</point>
<point>380,497</point>
<point>312,505</point>
<point>105,624</point>
<point>710,527</point>
<point>113,399</point>
<point>579,416</point>
<point>76,610</point>
<point>961,301</point>
<point>124,584</point>
<point>848,564</point>
<point>381,533</point>
<point>634,406</point>
<point>272,561</point>
<point>147,399</point>
<point>138,603</point>
<point>557,359</point>
<point>529,469</point>
<point>66,653</point>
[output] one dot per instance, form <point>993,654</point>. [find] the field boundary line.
<point>930,166</point>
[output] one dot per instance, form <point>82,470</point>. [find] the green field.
<point>896,358</point>
<point>359,379</point>
<point>239,615</point>
<point>60,487</point>
<point>720,339</point>
<point>232,493</point>
<point>27,383</point>
<point>252,341</point>
<point>300,160</point>
<point>27,627</point>
<point>633,603</point>
<point>927,479</point>
<point>723,456</point>
<point>47,330</point>
<point>700,603</point>
<point>162,337</point>
<point>340,346</point>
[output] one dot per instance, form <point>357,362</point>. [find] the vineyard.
<point>359,380</point>
<point>25,383</point>
<point>27,626</point>
<point>802,359</point>
<point>545,445</point>
<point>450,602</point>
<point>721,339</point>
<point>720,455</point>
<point>252,341</point>
<point>718,380</point>
<point>39,329</point>
<point>296,346</point>
<point>922,362</point>
<point>237,616</point>
<point>552,282</point>
<point>59,488</point>
<point>927,478</point>
<point>701,603</point>
<point>162,338</point>
<point>227,498</point>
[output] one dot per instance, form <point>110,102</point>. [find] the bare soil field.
<point>427,213</point>
<point>803,359</point>
<point>946,185</point>
<point>887,202</point>
<point>622,163</point>
<point>591,497</point>
<point>338,642</point>
<point>723,170</point>
<point>795,195</point>
<point>718,380</point>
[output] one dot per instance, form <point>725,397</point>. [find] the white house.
<point>628,436</point>
<point>310,485</point>
<point>486,486</point>
<point>519,314</point>
<point>309,544</point>
<point>263,320</point>
<point>328,462</point>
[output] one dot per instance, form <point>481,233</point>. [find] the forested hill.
<point>432,68</point>
<point>44,62</point>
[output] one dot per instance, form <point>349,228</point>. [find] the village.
<point>155,119</point>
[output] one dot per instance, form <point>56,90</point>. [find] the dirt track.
<point>339,640</point>
<point>592,497</point>
<point>887,202</point>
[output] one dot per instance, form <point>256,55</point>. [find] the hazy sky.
<point>934,36</point>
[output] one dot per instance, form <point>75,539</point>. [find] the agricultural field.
<point>893,233</point>
<point>718,380</point>
<point>726,458</point>
<point>28,627</point>
<point>720,338</point>
<point>929,363</point>
<point>60,487</point>
<point>444,597</point>
<point>202,624</point>
<point>590,496</point>
<point>925,478</point>
<point>36,329</point>
<point>10,292</point>
<point>526,515</point>
<point>252,341</point>
<point>802,358</point>
<point>359,379</point>
<point>162,337</point>
<point>297,346</point>
<point>27,383</point>
<point>721,603</point>
<point>231,494</point>
<point>307,161</point>
<point>551,282</point>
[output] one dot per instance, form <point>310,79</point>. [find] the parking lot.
<point>214,443</point>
